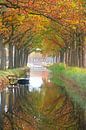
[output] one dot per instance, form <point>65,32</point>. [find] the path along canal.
<point>41,105</point>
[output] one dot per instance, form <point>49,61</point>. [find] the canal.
<point>41,105</point>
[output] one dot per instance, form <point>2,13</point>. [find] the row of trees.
<point>57,27</point>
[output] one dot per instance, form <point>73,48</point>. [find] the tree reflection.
<point>47,109</point>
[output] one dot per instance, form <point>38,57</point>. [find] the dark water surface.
<point>41,105</point>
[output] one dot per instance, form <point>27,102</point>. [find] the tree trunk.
<point>2,55</point>
<point>76,48</point>
<point>16,58</point>
<point>84,53</point>
<point>61,56</point>
<point>10,55</point>
<point>73,50</point>
<point>66,56</point>
<point>25,57</point>
<point>84,57</point>
<point>69,56</point>
<point>21,57</point>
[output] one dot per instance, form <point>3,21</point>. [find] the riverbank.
<point>18,72</point>
<point>73,79</point>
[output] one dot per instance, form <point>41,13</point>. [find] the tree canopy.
<point>53,21</point>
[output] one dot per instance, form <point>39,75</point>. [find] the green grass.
<point>75,74</point>
<point>78,75</point>
<point>17,72</point>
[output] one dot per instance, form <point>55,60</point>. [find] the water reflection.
<point>57,108</point>
<point>45,107</point>
<point>35,83</point>
<point>8,98</point>
<point>36,78</point>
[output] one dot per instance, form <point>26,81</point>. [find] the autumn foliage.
<point>63,22</point>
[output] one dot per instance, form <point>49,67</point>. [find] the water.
<point>37,75</point>
<point>40,106</point>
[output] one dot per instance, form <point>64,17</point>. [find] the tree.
<point>67,16</point>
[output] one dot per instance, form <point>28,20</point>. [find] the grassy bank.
<point>73,79</point>
<point>18,72</point>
